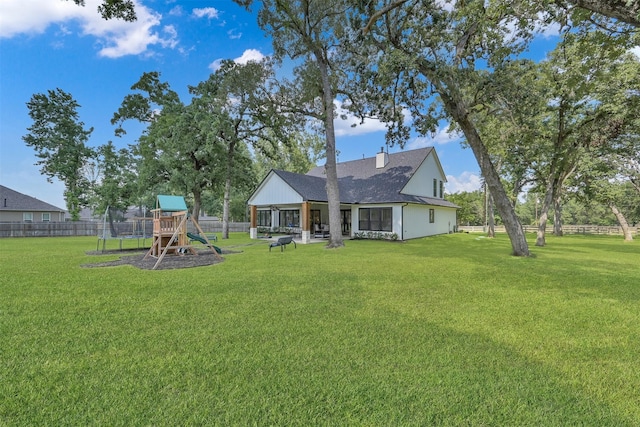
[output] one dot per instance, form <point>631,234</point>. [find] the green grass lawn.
<point>448,330</point>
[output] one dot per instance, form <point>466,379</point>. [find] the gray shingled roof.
<point>402,163</point>
<point>360,182</point>
<point>11,200</point>
<point>311,188</point>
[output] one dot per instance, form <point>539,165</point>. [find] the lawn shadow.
<point>412,371</point>
<point>455,377</point>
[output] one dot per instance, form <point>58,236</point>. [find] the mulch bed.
<point>169,262</point>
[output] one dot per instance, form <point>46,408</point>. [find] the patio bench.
<point>282,242</point>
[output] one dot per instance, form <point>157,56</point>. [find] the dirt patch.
<point>169,262</point>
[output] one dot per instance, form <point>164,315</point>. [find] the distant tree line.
<point>575,210</point>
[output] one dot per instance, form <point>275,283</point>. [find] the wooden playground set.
<point>170,231</point>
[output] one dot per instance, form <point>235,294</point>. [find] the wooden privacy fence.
<point>48,229</point>
<point>566,229</point>
<point>95,228</point>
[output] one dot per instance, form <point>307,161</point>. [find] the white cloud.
<point>549,30</point>
<point>206,12</point>
<point>33,17</point>
<point>234,34</point>
<point>215,65</point>
<point>542,27</point>
<point>117,38</point>
<point>123,38</point>
<point>172,36</point>
<point>466,181</point>
<point>352,125</point>
<point>250,55</point>
<point>177,11</point>
<point>247,56</point>
<point>441,137</point>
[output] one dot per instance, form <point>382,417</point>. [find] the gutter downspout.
<point>402,215</point>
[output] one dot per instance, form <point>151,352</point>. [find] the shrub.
<point>375,235</point>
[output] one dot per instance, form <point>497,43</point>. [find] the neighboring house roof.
<point>359,181</point>
<point>11,200</point>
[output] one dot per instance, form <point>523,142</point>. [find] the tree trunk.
<point>570,167</point>
<point>112,227</point>
<point>457,109</point>
<point>628,237</point>
<point>225,208</point>
<point>491,219</point>
<point>197,202</point>
<point>544,215</point>
<point>227,191</point>
<point>333,195</point>
<point>557,216</point>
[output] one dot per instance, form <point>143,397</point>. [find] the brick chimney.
<point>382,159</point>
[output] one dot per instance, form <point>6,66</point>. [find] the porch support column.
<point>253,227</point>
<point>306,222</point>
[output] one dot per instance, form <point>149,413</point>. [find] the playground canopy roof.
<point>171,203</point>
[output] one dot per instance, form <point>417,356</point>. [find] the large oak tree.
<point>172,150</point>
<point>59,139</point>
<point>433,59</point>
<point>234,110</point>
<point>308,31</point>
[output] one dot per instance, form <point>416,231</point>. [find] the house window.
<point>441,189</point>
<point>27,216</point>
<point>46,217</point>
<point>264,218</point>
<point>290,218</point>
<point>435,187</point>
<point>375,219</point>
<point>432,216</point>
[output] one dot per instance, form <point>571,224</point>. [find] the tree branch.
<point>381,12</point>
<point>622,10</point>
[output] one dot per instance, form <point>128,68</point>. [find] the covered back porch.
<point>307,220</point>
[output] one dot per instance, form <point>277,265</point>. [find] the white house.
<point>400,195</point>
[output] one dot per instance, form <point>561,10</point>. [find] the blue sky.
<point>49,44</point>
